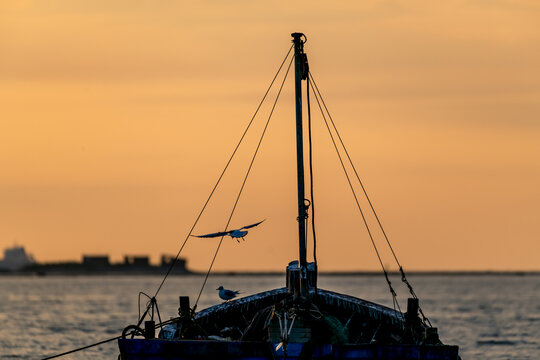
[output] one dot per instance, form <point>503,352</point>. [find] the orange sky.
<point>116,118</point>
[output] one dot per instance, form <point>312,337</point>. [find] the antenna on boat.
<point>301,73</point>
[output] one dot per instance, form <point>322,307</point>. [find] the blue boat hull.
<point>142,349</point>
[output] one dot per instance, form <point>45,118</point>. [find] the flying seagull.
<point>235,234</point>
<point>226,294</point>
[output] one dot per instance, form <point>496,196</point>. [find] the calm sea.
<point>490,316</point>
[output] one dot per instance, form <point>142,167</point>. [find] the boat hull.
<point>142,349</point>
<point>358,313</point>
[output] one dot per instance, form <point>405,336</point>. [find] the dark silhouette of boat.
<point>298,321</point>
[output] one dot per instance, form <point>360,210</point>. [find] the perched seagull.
<point>235,234</point>
<point>226,294</point>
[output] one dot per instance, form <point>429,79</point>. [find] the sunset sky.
<point>117,117</point>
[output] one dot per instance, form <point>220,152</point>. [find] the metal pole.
<point>299,59</point>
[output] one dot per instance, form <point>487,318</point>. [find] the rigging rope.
<point>392,291</point>
<point>403,276</point>
<point>196,220</point>
<point>161,324</point>
<point>223,172</point>
<point>244,182</point>
<point>311,180</point>
<point>152,302</point>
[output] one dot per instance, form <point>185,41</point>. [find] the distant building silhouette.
<point>139,261</point>
<point>167,260</point>
<point>96,262</point>
<point>15,259</point>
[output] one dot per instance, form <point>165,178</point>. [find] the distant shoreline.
<point>278,273</point>
<point>391,273</point>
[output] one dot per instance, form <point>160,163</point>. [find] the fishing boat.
<point>299,320</point>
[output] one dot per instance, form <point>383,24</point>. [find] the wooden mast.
<point>300,66</point>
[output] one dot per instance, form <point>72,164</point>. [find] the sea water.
<point>489,316</point>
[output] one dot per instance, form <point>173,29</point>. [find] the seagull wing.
<point>250,226</point>
<point>223,233</point>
